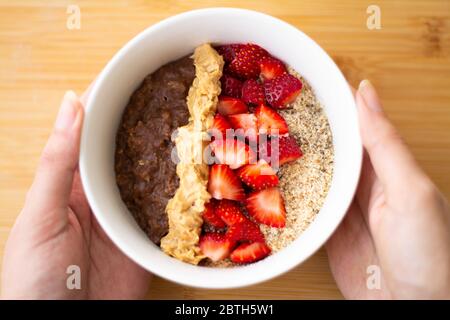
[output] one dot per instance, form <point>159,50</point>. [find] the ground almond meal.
<point>305,182</point>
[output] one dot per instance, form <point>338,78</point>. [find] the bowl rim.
<point>181,278</point>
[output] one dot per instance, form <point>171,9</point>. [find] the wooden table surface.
<point>408,60</point>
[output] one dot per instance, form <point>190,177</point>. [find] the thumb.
<point>53,181</point>
<point>392,161</point>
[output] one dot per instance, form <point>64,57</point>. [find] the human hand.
<point>398,220</point>
<point>56,229</point>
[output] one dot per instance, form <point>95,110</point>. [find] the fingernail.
<point>368,92</point>
<point>68,112</point>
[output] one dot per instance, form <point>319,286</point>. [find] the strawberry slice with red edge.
<point>250,252</point>
<point>215,246</point>
<point>219,127</point>
<point>246,122</point>
<point>230,105</point>
<point>231,86</point>
<point>252,92</point>
<point>269,121</point>
<point>230,212</point>
<point>282,90</point>
<point>224,184</point>
<point>210,217</point>
<point>245,62</point>
<point>233,152</point>
<point>267,207</point>
<point>245,231</point>
<point>271,68</point>
<point>288,149</point>
<point>228,51</point>
<point>258,176</point>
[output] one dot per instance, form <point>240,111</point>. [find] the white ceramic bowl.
<point>171,39</point>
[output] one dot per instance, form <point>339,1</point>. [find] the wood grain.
<point>408,60</point>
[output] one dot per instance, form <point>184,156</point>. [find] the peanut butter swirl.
<point>185,208</point>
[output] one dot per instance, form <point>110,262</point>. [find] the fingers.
<point>369,189</point>
<point>52,185</point>
<point>392,162</point>
<point>78,202</point>
<point>350,251</point>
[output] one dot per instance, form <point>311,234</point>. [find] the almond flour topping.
<point>304,183</point>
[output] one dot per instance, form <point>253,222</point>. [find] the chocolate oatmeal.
<point>145,173</point>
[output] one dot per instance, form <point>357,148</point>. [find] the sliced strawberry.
<point>245,63</point>
<point>215,246</point>
<point>228,51</point>
<point>224,184</point>
<point>219,126</point>
<point>243,121</point>
<point>267,207</point>
<point>271,67</point>
<point>245,231</point>
<point>269,121</point>
<point>229,105</point>
<point>258,176</point>
<point>231,86</point>
<point>264,147</point>
<point>288,149</point>
<point>250,252</point>
<point>233,152</point>
<point>209,215</point>
<point>230,212</point>
<point>246,122</point>
<point>252,92</point>
<point>282,90</point>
